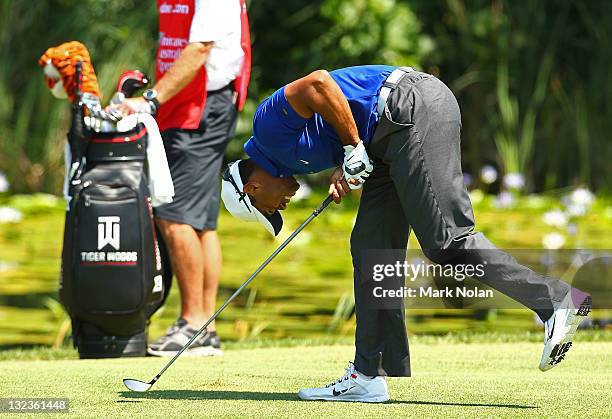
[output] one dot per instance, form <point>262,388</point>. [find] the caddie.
<point>396,133</point>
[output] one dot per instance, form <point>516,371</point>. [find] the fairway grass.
<point>449,379</point>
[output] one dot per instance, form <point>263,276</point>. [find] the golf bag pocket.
<point>109,251</point>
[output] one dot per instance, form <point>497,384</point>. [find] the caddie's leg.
<point>218,125</point>
<point>381,343</point>
<point>188,264</point>
<point>213,261</point>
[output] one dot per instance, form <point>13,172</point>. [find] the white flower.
<point>304,192</point>
<point>582,196</point>
<point>555,218</point>
<point>553,241</point>
<point>504,200</point>
<point>578,202</point>
<point>4,185</point>
<point>547,259</point>
<point>467,179</point>
<point>10,215</point>
<point>488,174</point>
<point>514,181</point>
<point>576,210</point>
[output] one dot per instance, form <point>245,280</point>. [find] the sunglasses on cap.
<point>243,195</point>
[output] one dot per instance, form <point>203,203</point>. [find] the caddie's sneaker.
<point>178,334</point>
<point>353,386</point>
<point>559,330</point>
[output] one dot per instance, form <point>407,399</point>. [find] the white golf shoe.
<point>559,330</point>
<point>353,386</point>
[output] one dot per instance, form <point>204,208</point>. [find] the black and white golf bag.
<point>115,268</point>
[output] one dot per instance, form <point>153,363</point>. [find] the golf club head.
<point>136,385</point>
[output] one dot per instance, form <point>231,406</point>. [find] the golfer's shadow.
<point>258,395</point>
<point>510,406</point>
<point>207,395</point>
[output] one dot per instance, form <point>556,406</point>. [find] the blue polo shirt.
<point>284,143</point>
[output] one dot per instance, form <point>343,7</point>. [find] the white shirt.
<point>218,21</point>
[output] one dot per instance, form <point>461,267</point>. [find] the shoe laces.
<point>348,372</point>
<point>176,326</point>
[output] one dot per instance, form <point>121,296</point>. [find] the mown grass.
<point>46,353</point>
<point>450,379</point>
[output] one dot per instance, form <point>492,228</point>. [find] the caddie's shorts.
<point>195,158</point>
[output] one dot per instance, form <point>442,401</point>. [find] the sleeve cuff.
<point>289,113</point>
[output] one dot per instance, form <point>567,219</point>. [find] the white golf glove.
<point>145,107</point>
<point>357,164</point>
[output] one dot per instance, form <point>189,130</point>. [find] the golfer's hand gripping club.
<point>357,165</point>
<point>137,385</point>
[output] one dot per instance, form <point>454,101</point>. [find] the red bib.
<point>241,83</point>
<point>185,109</point>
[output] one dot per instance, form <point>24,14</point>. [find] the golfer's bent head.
<point>252,194</point>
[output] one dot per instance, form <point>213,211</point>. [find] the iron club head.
<point>137,385</point>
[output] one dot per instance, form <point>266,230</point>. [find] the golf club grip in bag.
<point>115,270</point>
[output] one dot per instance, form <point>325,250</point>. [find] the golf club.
<point>141,386</point>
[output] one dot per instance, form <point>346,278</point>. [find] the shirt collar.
<point>258,156</point>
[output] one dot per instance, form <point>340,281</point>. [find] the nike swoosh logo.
<point>552,328</point>
<point>337,393</point>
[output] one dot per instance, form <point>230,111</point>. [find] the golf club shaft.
<point>315,213</point>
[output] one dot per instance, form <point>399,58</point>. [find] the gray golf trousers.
<point>417,184</point>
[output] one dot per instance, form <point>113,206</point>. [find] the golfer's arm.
<point>319,93</point>
<point>184,69</point>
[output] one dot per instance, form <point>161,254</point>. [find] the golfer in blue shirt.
<point>396,133</point>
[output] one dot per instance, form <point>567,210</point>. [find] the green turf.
<point>450,380</point>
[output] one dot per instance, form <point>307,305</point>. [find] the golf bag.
<point>115,268</point>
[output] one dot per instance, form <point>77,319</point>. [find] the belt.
<point>388,86</point>
<point>221,89</point>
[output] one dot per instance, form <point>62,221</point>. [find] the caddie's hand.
<point>135,105</point>
<point>357,165</point>
<point>338,187</point>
